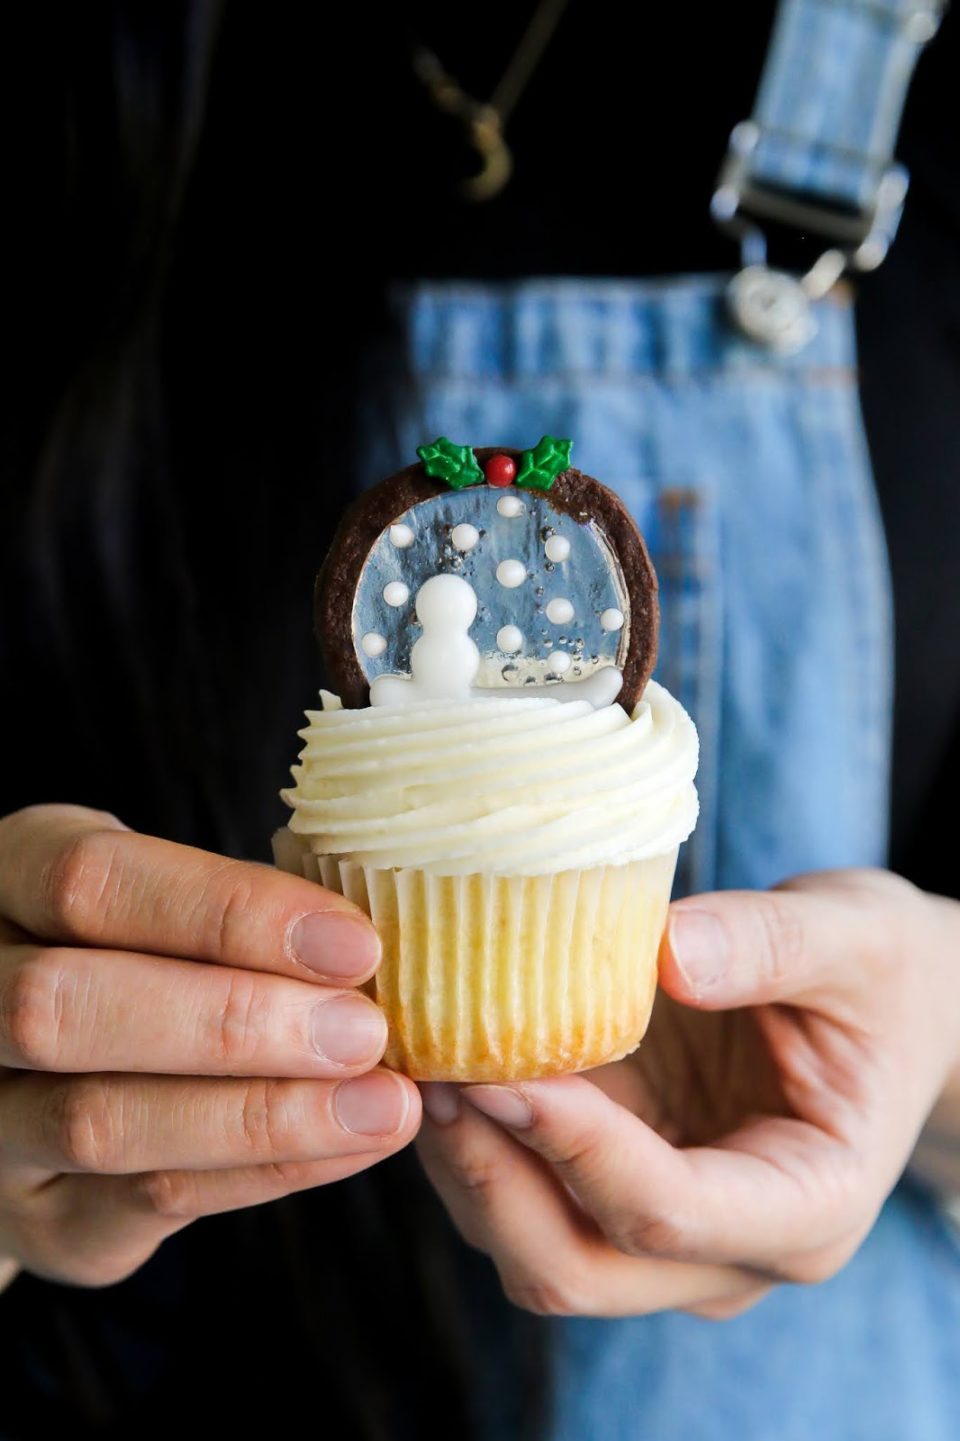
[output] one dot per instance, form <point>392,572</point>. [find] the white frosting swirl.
<point>502,786</point>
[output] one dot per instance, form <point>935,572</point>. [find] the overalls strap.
<point>817,154</point>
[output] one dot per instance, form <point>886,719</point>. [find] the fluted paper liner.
<point>504,977</point>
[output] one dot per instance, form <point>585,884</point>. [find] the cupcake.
<point>496,781</point>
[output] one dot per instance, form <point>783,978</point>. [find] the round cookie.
<point>564,586</point>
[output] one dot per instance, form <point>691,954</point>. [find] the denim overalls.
<point>747,472</point>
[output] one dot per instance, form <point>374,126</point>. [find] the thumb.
<point>816,936</point>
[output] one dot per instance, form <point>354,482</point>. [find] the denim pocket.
<point>679,525</point>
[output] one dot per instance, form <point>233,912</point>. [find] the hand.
<point>178,1036</point>
<point>803,1038</point>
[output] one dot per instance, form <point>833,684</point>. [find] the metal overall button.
<point>771,308</point>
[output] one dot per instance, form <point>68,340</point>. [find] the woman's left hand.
<point>805,1034</point>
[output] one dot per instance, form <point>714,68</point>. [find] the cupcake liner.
<point>490,977</point>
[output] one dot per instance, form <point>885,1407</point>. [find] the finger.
<point>809,939</point>
<point>96,1230</point>
<point>77,876</point>
<point>117,1125</point>
<point>11,935</point>
<point>63,1009</point>
<point>551,1258</point>
<point>774,1188</point>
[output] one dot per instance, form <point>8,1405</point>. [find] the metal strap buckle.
<point>772,306</point>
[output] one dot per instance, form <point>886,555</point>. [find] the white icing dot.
<point>512,573</point>
<point>401,536</point>
<point>611,619</point>
<point>558,661</point>
<point>510,505</point>
<point>510,639</point>
<point>396,593</point>
<point>464,537</point>
<point>557,548</point>
<point>373,644</point>
<point>559,611</point>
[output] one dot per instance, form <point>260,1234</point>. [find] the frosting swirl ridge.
<point>510,786</point>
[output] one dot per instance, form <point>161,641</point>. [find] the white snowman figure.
<point>444,660</point>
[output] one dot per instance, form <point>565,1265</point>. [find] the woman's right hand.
<point>178,1036</point>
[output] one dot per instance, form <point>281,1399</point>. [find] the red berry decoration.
<point>500,470</point>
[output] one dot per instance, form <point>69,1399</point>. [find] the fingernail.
<point>502,1104</point>
<point>374,1105</point>
<point>336,943</point>
<point>348,1030</point>
<point>699,946</point>
<point>441,1101</point>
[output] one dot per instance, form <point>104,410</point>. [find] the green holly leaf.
<point>454,464</point>
<point>540,467</point>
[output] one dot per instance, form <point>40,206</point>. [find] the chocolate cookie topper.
<point>488,572</point>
